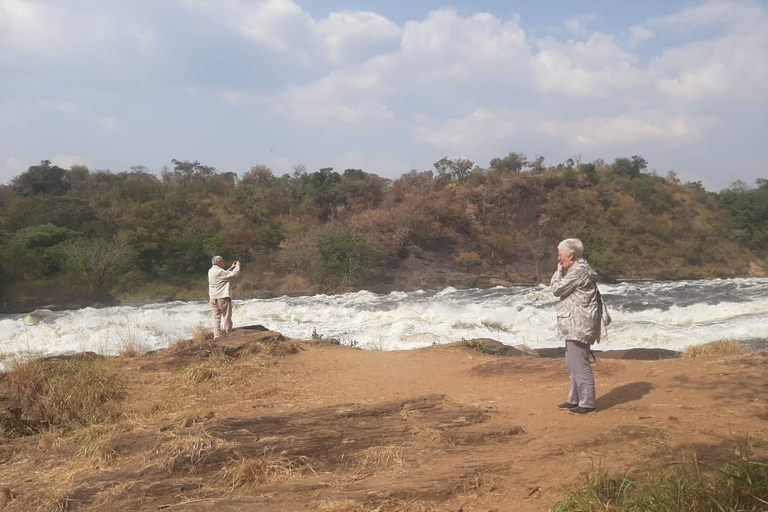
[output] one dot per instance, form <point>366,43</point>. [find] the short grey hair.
<point>571,246</point>
<point>216,260</point>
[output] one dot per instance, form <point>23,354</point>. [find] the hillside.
<point>74,235</point>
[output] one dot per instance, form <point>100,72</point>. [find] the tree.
<point>43,179</point>
<point>347,257</point>
<point>629,167</point>
<point>512,163</point>
<point>537,164</point>
<point>100,262</point>
<point>186,172</point>
<point>458,169</point>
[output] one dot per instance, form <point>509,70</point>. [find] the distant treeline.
<point>134,235</point>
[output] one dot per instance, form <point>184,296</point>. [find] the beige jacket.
<point>219,282</point>
<point>579,312</point>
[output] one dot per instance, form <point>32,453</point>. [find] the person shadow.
<point>623,394</point>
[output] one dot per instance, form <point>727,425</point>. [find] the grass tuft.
<point>379,457</point>
<point>188,453</point>
<point>95,446</point>
<point>115,492</point>
<point>75,391</point>
<point>739,486</point>
<point>716,348</point>
<point>268,468</point>
<point>199,372</point>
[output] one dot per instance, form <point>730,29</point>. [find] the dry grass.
<point>390,505</point>
<point>188,453</point>
<point>107,496</point>
<point>199,372</point>
<point>6,496</point>
<point>243,472</point>
<point>379,457</point>
<point>477,482</point>
<point>716,348</point>
<point>200,334</point>
<point>432,434</point>
<point>95,446</point>
<point>79,390</point>
<point>188,418</point>
<point>57,500</point>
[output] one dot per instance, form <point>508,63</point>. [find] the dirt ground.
<point>267,424</point>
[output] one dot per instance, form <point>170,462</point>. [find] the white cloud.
<point>382,166</point>
<point>108,124</point>
<point>24,25</point>
<point>728,67</point>
<point>592,68</point>
<point>476,132</point>
<point>12,167</point>
<point>580,26</point>
<point>613,132</point>
<point>734,13</point>
<point>637,35</point>
<point>344,32</point>
<point>67,161</point>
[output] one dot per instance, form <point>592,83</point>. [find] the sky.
<point>385,86</point>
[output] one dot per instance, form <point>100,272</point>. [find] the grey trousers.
<point>221,308</point>
<point>580,371</point>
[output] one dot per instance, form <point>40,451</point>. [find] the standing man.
<point>220,294</point>
<point>578,321</point>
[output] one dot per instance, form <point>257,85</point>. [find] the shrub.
<point>347,257</point>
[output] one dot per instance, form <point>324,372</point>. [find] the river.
<point>662,314</point>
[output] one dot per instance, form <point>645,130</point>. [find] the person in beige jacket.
<point>579,315</point>
<point>220,293</point>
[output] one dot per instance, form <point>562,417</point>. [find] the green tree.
<point>42,179</point>
<point>512,163</point>
<point>347,257</point>
<point>99,262</point>
<point>456,169</point>
<point>629,167</point>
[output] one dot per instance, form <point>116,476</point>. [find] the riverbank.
<point>268,423</point>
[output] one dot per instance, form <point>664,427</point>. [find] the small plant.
<point>480,346</point>
<point>315,335</point>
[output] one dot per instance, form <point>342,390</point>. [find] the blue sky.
<point>384,86</point>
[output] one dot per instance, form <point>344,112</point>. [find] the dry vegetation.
<point>258,422</point>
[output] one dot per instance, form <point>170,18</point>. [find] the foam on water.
<point>672,315</point>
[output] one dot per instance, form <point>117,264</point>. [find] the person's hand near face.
<point>565,261</point>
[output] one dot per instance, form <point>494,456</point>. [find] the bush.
<point>347,257</point>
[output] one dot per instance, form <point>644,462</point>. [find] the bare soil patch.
<point>260,422</point>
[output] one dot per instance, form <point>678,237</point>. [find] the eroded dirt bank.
<point>263,423</point>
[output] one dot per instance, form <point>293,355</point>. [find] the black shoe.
<point>581,410</point>
<point>567,405</point>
